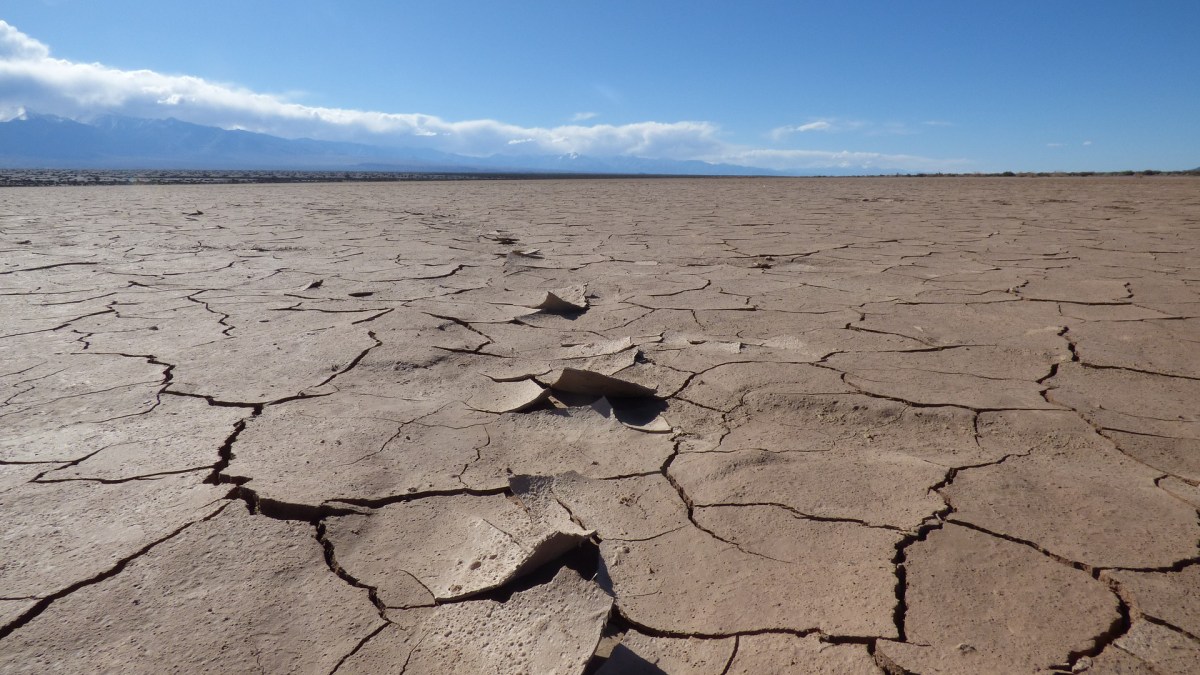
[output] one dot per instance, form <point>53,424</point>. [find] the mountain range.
<point>40,141</point>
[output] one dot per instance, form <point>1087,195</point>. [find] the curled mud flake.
<point>550,627</point>
<point>503,397</point>
<point>564,300</point>
<point>455,546</point>
<point>578,381</point>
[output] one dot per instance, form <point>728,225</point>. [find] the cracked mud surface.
<point>618,426</point>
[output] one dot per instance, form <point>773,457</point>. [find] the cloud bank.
<point>32,79</point>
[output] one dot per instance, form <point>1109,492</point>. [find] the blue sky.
<point>932,85</point>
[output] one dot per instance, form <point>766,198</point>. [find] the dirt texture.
<point>706,426</point>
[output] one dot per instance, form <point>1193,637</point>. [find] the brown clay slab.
<point>266,366</point>
<point>1162,347</point>
<point>880,488</point>
<point>15,475</point>
<point>1169,596</point>
<point>225,592</point>
<point>761,569</point>
<point>1100,393</point>
<point>552,627</point>
<point>454,546</point>
<point>1033,326</point>
<point>966,613</point>
<point>1077,290</point>
<point>642,654</point>
<point>1181,490</point>
<point>780,653</point>
<point>723,387</point>
<point>639,507</point>
<point>548,442</point>
<point>1177,456</point>
<point>60,534</point>
<point>1164,650</point>
<point>180,434</point>
<point>784,422</point>
<point>351,447</point>
<point>1069,482</point>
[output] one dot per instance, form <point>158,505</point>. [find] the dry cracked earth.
<point>617,426</point>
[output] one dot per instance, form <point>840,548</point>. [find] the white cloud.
<point>836,125</point>
<point>583,116</point>
<point>819,125</point>
<point>1087,143</point>
<point>1055,145</point>
<point>32,79</point>
<point>16,45</point>
<point>845,159</point>
<point>779,133</point>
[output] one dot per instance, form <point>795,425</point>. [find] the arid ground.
<point>606,426</point>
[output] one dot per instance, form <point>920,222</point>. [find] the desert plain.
<point>940,425</point>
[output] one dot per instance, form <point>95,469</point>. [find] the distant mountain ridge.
<point>34,140</point>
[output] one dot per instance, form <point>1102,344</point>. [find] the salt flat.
<point>698,426</point>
